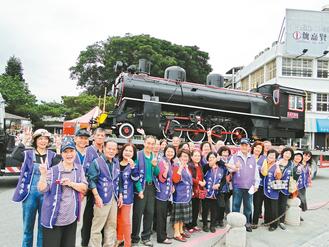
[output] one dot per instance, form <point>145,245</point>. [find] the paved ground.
<point>312,233</point>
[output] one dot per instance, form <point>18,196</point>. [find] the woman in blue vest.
<point>285,166</point>
<point>271,173</point>
<point>213,176</point>
<point>257,150</point>
<point>305,180</point>
<point>182,205</point>
<point>61,186</point>
<point>26,190</point>
<point>128,175</point>
<point>164,193</point>
<point>223,197</point>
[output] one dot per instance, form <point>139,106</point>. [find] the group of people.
<point>180,180</point>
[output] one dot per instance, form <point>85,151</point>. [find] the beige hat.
<point>40,132</point>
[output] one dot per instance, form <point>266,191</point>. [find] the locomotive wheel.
<point>237,134</point>
<point>195,135</point>
<point>126,130</point>
<point>216,134</point>
<point>171,132</point>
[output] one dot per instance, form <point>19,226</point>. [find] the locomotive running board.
<point>202,108</point>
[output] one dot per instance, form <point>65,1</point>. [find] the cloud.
<point>48,35</point>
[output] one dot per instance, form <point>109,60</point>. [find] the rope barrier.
<point>266,224</point>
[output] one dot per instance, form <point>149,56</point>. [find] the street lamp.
<point>325,52</point>
<point>303,53</point>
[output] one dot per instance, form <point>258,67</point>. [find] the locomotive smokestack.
<point>144,66</point>
<point>175,73</point>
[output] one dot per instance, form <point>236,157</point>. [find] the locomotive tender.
<point>170,106</point>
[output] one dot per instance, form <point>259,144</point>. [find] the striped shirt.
<point>66,214</point>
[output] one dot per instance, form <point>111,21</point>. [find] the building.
<point>298,60</point>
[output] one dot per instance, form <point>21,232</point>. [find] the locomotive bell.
<point>175,73</point>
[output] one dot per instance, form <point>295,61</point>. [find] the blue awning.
<point>322,125</point>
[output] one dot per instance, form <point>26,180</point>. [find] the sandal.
<point>186,235</point>
<point>197,229</point>
<point>180,239</point>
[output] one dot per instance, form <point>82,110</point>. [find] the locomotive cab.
<point>289,106</point>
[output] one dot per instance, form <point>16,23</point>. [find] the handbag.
<point>278,184</point>
<point>202,193</point>
<point>292,185</point>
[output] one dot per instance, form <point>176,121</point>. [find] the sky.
<point>48,36</point>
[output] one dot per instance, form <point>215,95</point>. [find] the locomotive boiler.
<point>170,106</point>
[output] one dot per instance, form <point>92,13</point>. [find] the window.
<point>308,101</point>
<point>245,84</point>
<point>322,102</point>
<point>271,70</point>
<point>257,78</point>
<point>296,103</point>
<point>297,67</point>
<point>323,67</point>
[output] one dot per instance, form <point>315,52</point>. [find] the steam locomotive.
<point>171,106</point>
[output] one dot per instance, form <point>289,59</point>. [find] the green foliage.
<point>94,68</point>
<point>79,105</point>
<point>18,97</point>
<point>14,68</point>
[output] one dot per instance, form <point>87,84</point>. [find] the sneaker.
<point>147,243</point>
<point>248,228</point>
<point>205,229</point>
<point>212,229</point>
<point>282,226</point>
<point>271,229</point>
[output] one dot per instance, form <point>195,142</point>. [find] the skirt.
<point>181,212</point>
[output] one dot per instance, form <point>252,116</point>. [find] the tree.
<point>94,68</point>
<point>14,68</point>
<point>18,97</point>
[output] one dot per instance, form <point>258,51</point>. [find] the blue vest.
<point>268,190</point>
<point>244,178</point>
<point>91,155</point>
<point>141,170</point>
<point>25,179</point>
<point>165,189</point>
<point>213,177</point>
<point>52,198</point>
<point>260,162</point>
<point>304,177</point>
<point>183,189</point>
<point>107,183</point>
<point>287,173</point>
<point>128,176</point>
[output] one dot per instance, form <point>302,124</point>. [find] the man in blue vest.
<point>144,206</point>
<point>103,177</point>
<point>92,152</point>
<point>245,180</point>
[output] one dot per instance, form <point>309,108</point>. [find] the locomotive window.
<point>296,103</point>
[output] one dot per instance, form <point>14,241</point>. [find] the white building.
<point>300,61</point>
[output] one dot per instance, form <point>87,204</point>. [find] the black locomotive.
<point>170,107</point>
